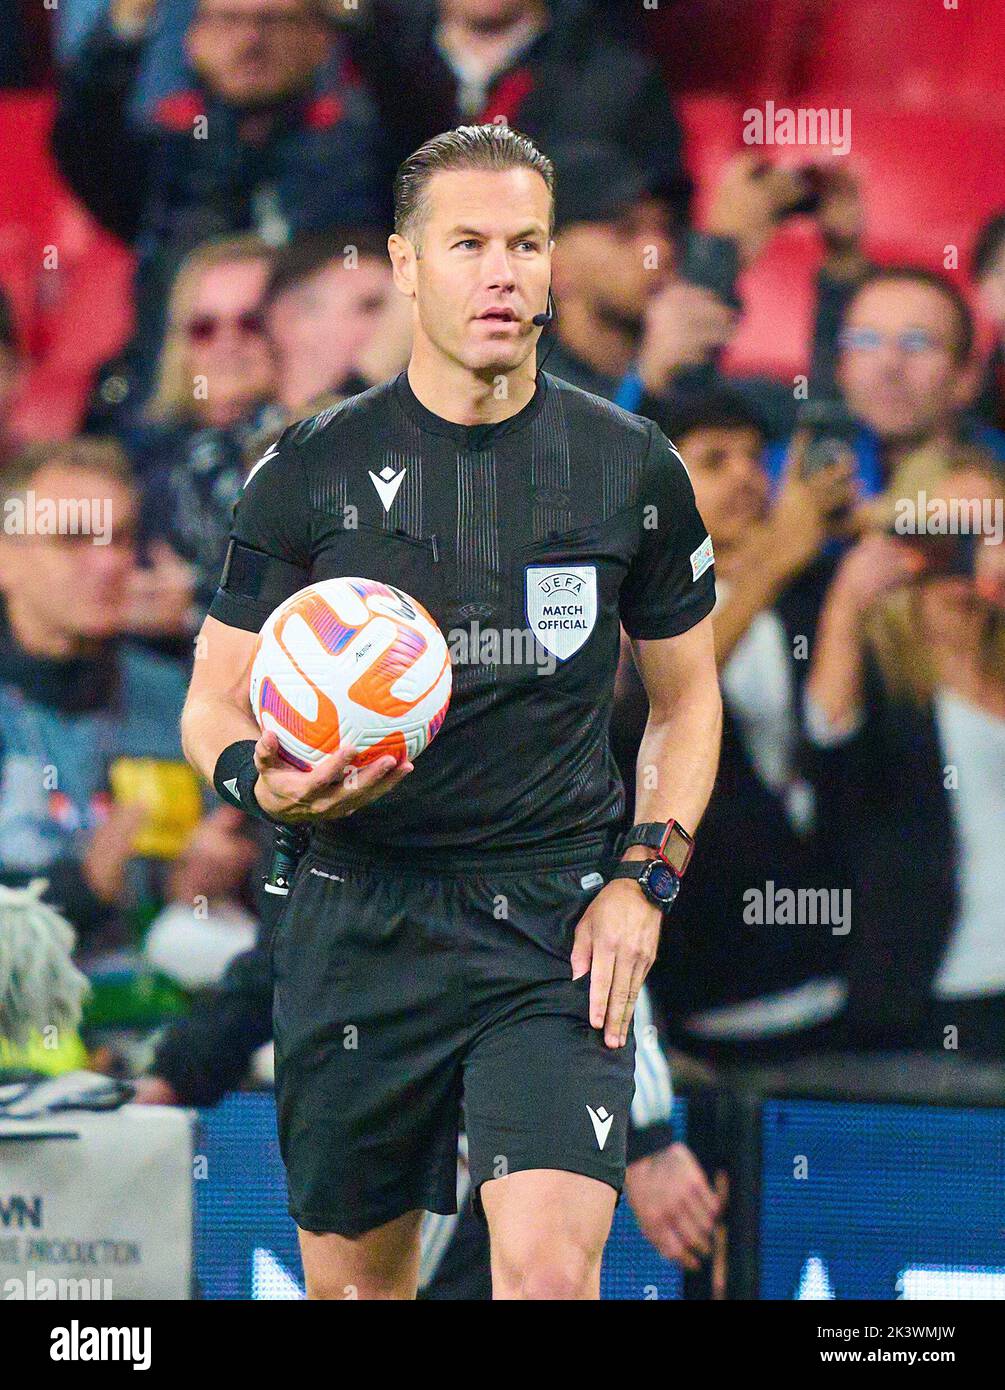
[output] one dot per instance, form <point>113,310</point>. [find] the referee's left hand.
<point>616,940</point>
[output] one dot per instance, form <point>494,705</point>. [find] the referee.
<point>470,932</point>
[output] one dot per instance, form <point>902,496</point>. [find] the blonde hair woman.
<point>905,703</point>
<point>216,363</point>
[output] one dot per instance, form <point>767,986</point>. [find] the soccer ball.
<point>350,661</point>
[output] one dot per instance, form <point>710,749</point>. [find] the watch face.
<point>662,882</point>
<point>677,849</point>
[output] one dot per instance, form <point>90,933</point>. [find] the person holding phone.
<point>907,371</point>
<point>730,991</point>
<point>905,707</point>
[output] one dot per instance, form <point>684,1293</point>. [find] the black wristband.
<point>235,775</point>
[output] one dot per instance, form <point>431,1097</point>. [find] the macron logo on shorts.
<point>602,1122</point>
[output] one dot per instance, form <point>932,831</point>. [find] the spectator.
<point>11,373</point>
<point>73,696</point>
<point>216,364</point>
<point>729,989</point>
<point>906,705</point>
<point>989,275</point>
<point>256,142</point>
<point>907,370</point>
<point>335,321</point>
<point>629,327</point>
<point>214,381</point>
<point>436,64</point>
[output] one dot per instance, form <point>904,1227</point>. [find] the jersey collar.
<point>470,436</point>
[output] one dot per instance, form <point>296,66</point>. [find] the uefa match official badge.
<point>561,606</point>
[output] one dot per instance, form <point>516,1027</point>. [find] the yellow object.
<point>69,1054</point>
<point>170,791</point>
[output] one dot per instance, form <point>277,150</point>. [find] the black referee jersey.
<point>527,540</point>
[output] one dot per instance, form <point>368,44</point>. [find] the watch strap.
<point>629,868</point>
<point>648,833</point>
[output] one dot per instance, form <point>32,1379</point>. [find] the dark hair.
<point>988,245</point>
<point>494,146</point>
<point>308,253</point>
<point>921,275</point>
<point>715,409</point>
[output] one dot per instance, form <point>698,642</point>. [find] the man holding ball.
<point>450,940</point>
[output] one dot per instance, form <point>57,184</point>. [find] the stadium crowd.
<point>243,150</point>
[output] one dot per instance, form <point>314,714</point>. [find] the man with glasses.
<point>907,370</point>
<point>271,134</point>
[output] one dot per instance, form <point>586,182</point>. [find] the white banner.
<point>97,1206</point>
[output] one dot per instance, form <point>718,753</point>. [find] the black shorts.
<point>403,998</point>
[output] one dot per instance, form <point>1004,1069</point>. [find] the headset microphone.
<point>542,320</point>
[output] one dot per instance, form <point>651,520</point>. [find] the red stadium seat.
<point>69,282</point>
<point>779,297</point>
<point>930,181</point>
<point>711,135</point>
<point>91,315</point>
<point>910,53</point>
<point>50,405</point>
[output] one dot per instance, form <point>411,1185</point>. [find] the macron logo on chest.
<point>387,483</point>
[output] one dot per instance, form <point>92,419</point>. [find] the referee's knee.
<point>552,1271</point>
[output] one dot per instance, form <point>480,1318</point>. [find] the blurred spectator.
<point>906,706</point>
<point>215,379</point>
<point>727,988</point>
<point>74,697</point>
<point>907,369</point>
<point>11,372</point>
<point>989,275</point>
<point>334,318</point>
<point>95,796</point>
<point>216,363</point>
<point>630,326</point>
<point>436,64</point>
<point>256,142</point>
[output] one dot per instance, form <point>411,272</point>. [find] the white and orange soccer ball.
<point>350,661</point>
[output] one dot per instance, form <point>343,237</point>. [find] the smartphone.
<point>832,431</point>
<point>712,263</point>
<point>943,556</point>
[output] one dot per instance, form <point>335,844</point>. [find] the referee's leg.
<point>383,1263</point>
<point>547,1231</point>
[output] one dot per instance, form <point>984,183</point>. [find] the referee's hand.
<point>616,941</point>
<point>328,791</point>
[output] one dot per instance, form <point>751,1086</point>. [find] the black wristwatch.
<point>670,841</point>
<point>657,879</point>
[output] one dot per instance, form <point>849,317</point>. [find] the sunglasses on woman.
<point>203,328</point>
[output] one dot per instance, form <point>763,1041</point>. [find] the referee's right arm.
<point>217,708</point>
<point>268,560</point>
